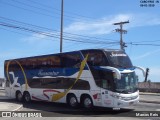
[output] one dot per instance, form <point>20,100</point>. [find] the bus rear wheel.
<point>72,101</point>
<point>87,102</point>
<point>27,97</point>
<point>19,96</point>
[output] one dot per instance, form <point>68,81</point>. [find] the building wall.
<point>149,87</point>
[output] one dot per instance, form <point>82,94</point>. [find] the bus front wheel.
<point>87,102</point>
<point>27,97</point>
<point>72,101</point>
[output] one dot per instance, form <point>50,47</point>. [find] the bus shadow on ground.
<point>60,109</point>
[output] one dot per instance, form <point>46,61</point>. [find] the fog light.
<point>119,103</point>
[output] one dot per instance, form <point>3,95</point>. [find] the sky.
<point>32,27</point>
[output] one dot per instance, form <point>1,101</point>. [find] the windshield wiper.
<point>123,91</point>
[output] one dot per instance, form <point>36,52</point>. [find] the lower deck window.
<point>59,83</point>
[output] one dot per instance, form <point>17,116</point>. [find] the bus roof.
<point>64,53</point>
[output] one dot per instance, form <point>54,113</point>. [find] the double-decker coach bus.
<point>93,77</point>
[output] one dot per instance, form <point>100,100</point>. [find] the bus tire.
<point>19,96</point>
<point>27,97</point>
<point>87,102</point>
<point>72,101</point>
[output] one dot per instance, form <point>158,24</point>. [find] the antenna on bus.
<point>121,31</point>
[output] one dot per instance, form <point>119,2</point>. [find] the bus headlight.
<point>115,96</point>
<point>124,98</point>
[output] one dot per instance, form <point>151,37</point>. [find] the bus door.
<point>106,89</point>
<point>104,80</point>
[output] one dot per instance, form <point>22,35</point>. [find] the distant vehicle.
<point>93,77</point>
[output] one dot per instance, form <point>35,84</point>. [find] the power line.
<point>148,41</point>
<point>69,14</point>
<point>45,11</point>
<point>97,39</point>
<point>68,38</point>
<point>51,30</point>
<point>39,8</point>
<point>29,10</point>
<point>144,44</point>
<point>21,28</point>
<point>41,11</point>
<point>84,39</point>
<point>49,34</point>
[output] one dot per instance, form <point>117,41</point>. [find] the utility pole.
<point>61,34</point>
<point>121,31</point>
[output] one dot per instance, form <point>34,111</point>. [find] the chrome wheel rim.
<point>73,101</point>
<point>27,97</point>
<point>19,96</point>
<point>87,102</point>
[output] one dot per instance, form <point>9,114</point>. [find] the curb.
<point>145,101</point>
<point>155,94</point>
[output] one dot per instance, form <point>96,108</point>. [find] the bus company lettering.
<point>44,73</point>
<point>115,55</point>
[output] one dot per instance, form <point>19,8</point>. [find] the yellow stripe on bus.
<point>25,78</point>
<point>58,96</point>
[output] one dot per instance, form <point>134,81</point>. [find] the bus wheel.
<point>87,102</point>
<point>19,96</point>
<point>27,97</point>
<point>72,101</point>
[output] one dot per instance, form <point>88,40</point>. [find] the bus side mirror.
<point>142,69</point>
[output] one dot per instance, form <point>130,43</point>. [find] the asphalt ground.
<point>7,104</point>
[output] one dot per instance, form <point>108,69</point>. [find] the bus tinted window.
<point>41,63</point>
<point>13,66</point>
<point>96,58</point>
<point>103,79</point>
<point>71,60</point>
<point>58,83</point>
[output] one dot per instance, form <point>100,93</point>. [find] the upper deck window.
<point>71,60</point>
<point>96,58</point>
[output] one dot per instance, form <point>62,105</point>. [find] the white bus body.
<point>108,78</point>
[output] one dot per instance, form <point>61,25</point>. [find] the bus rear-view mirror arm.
<point>142,69</point>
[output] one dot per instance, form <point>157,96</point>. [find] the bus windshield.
<point>119,59</point>
<point>127,84</point>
